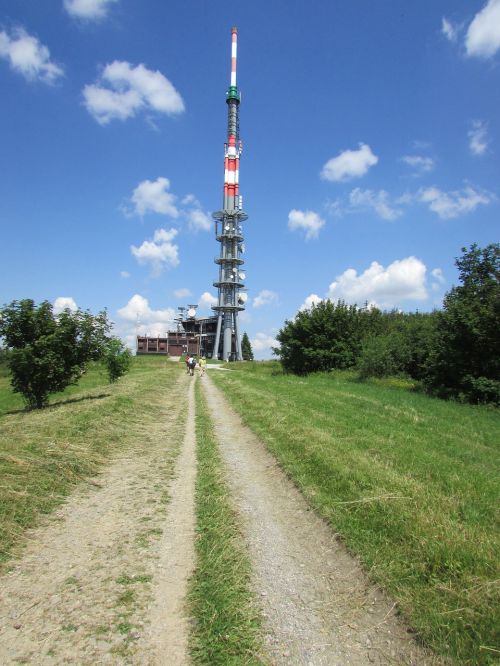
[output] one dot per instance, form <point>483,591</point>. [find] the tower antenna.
<point>229,231</point>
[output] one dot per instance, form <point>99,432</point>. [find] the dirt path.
<point>319,608</point>
<point>103,581</point>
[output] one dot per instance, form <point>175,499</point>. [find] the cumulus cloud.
<point>307,221</point>
<point>419,163</point>
<point>27,56</point>
<point>206,300</point>
<point>123,90</point>
<point>64,302</point>
<point>404,279</point>
<point>153,197</point>
<point>483,35</point>
<point>265,297</point>
<point>312,299</point>
<point>262,345</point>
<point>88,9</point>
<point>478,137</point>
<point>453,204</point>
<point>137,317</point>
<point>159,253</point>
<point>449,30</point>
<point>349,164</point>
<point>378,201</point>
<point>198,220</point>
<point>183,292</point>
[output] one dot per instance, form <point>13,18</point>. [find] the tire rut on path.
<point>93,585</point>
<point>318,606</point>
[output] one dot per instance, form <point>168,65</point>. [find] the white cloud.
<point>183,292</point>
<point>87,9</point>
<point>206,300</point>
<point>453,204</point>
<point>265,297</point>
<point>123,90</point>
<point>439,279</point>
<point>160,252</point>
<point>262,344</point>
<point>153,197</point>
<point>478,137</point>
<point>64,302</point>
<point>378,201</point>
<point>402,280</point>
<point>312,299</point>
<point>419,163</point>
<point>28,56</point>
<point>124,274</point>
<point>307,220</point>
<point>139,318</point>
<point>449,30</point>
<point>483,34</point>
<point>349,164</point>
<point>198,220</point>
<point>437,274</point>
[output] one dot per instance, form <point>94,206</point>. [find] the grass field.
<point>409,482</point>
<point>226,625</point>
<point>45,453</point>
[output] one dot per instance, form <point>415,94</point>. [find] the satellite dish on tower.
<point>241,275</point>
<point>242,298</point>
<point>242,248</point>
<point>191,312</point>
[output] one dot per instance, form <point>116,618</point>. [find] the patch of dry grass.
<point>45,453</point>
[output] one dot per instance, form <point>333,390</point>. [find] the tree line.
<point>453,352</point>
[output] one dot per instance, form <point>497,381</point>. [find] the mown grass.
<point>409,482</point>
<point>45,453</point>
<point>226,625</point>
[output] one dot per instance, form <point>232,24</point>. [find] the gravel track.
<point>91,584</point>
<point>318,606</point>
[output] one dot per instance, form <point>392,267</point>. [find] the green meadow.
<point>45,453</point>
<point>409,482</point>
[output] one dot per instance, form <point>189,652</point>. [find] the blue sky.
<point>371,135</point>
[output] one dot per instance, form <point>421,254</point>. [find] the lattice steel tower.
<point>228,231</point>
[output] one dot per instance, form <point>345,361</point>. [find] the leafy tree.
<point>117,359</point>
<point>325,337</point>
<point>246,348</point>
<point>467,357</point>
<point>48,352</point>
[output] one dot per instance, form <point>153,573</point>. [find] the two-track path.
<point>319,607</point>
<point>104,580</point>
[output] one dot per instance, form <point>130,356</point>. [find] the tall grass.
<point>226,626</point>
<point>409,482</point>
<point>45,453</point>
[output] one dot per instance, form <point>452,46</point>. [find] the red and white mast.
<point>228,229</point>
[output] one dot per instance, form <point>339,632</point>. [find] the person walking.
<point>188,359</point>
<point>192,365</point>
<point>202,363</point>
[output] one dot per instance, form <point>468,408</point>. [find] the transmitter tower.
<point>229,232</point>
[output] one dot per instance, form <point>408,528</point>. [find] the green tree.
<point>246,348</point>
<point>325,337</point>
<point>467,357</point>
<point>48,352</point>
<point>117,359</point>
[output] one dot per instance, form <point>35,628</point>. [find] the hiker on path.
<point>202,363</point>
<point>188,359</point>
<point>192,365</point>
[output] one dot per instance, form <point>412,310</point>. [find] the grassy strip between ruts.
<point>408,481</point>
<point>226,624</point>
<point>45,453</point>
